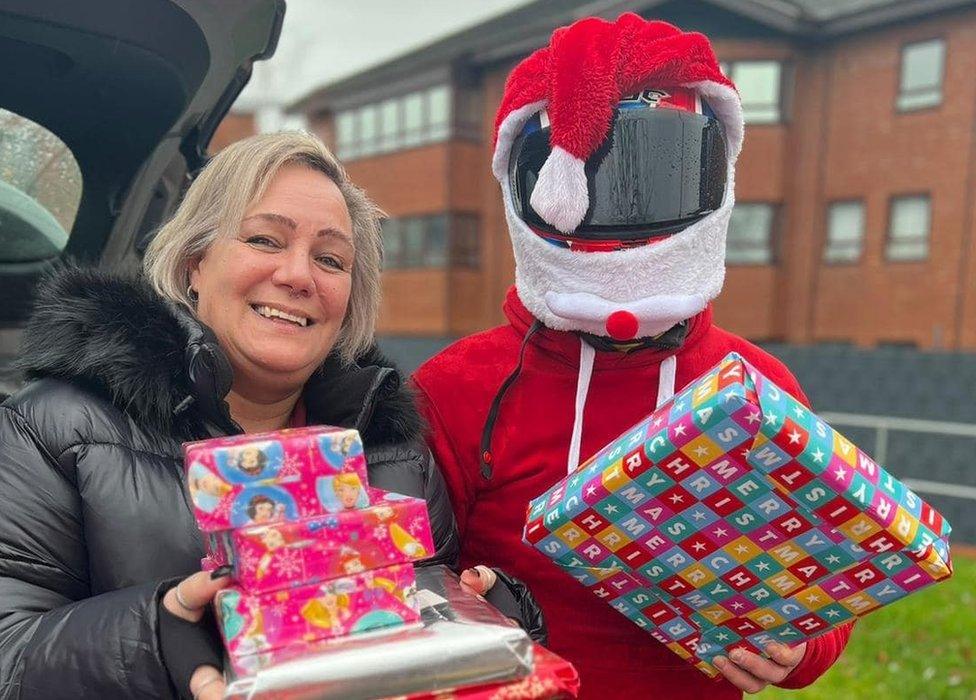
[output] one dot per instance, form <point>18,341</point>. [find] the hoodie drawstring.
<point>665,382</point>
<point>587,353</point>
<point>665,390</point>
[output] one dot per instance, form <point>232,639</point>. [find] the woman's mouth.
<point>281,317</point>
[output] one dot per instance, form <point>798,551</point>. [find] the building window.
<point>346,135</point>
<point>922,67</point>
<point>438,112</point>
<point>465,241</point>
<point>468,113</point>
<point>367,131</point>
<point>845,232</point>
<point>908,228</point>
<point>751,234</point>
<point>418,118</point>
<point>760,87</point>
<point>430,241</point>
<point>389,126</point>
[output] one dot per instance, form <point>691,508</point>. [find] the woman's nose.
<point>295,272</point>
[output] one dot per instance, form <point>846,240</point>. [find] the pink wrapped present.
<point>256,625</point>
<point>284,475</point>
<point>394,530</point>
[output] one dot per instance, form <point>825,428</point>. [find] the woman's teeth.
<point>270,312</point>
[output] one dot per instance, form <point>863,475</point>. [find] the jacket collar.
<point>164,368</point>
<point>564,346</point>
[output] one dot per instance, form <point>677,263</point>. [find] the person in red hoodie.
<point>615,149</point>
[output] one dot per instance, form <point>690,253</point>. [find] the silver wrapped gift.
<point>463,641</point>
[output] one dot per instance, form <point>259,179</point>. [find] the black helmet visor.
<point>658,171</point>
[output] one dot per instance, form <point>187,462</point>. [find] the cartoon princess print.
<point>250,460</point>
<point>247,641</point>
<point>350,560</point>
<point>329,610</point>
<point>348,489</point>
<point>348,444</point>
<point>338,448</point>
<point>402,540</point>
<point>263,509</point>
<point>206,488</point>
<point>272,539</point>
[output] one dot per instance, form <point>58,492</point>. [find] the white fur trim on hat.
<point>560,195</point>
<point>507,131</point>
<point>725,102</point>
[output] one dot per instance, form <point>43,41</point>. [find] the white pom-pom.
<point>560,195</point>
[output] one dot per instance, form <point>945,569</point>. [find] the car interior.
<point>108,110</point>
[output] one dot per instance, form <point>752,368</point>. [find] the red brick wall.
<point>873,152</point>
<point>234,127</point>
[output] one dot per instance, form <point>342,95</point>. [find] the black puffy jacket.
<point>94,516</point>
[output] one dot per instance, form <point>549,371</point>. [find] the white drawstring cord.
<point>665,383</point>
<point>587,353</point>
<point>665,390</point>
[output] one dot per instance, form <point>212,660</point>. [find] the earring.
<point>191,292</point>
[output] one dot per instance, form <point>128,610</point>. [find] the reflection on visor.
<point>659,171</point>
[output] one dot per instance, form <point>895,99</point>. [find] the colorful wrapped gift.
<point>553,678</point>
<point>395,529</point>
<point>254,625</point>
<point>462,642</point>
<point>285,475</point>
<point>733,516</point>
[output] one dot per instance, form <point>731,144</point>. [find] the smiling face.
<point>276,291</point>
<point>348,495</point>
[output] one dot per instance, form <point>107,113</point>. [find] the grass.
<point>919,648</point>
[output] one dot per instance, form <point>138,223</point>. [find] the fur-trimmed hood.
<point>154,360</point>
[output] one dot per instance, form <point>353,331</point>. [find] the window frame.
<point>772,243</point>
<point>900,91</point>
<point>464,252</point>
<point>863,234</point>
<point>446,256</point>
<point>400,138</point>
<point>892,200</point>
<point>785,67</point>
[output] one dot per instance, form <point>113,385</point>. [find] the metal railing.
<point>883,425</point>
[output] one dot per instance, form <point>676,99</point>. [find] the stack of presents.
<point>324,599</point>
<point>315,552</point>
<point>732,517</point>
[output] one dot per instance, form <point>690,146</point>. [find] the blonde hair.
<point>215,205</point>
<point>346,479</point>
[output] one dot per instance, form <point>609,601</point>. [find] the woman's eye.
<point>331,261</point>
<point>262,241</point>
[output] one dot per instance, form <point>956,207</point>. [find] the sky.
<point>325,40</point>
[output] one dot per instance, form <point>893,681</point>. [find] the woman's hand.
<point>188,648</point>
<point>509,596</point>
<point>751,673</point>
<point>478,580</point>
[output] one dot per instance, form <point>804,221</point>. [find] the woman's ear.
<point>193,273</point>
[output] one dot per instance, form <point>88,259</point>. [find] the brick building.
<point>855,219</point>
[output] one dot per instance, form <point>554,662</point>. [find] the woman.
<point>256,313</point>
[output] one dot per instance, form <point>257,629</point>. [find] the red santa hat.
<point>580,77</point>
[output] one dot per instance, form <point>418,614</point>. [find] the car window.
<point>40,189</point>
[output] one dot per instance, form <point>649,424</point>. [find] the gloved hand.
<point>509,596</point>
<point>188,637</point>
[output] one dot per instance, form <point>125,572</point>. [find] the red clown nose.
<point>622,325</point>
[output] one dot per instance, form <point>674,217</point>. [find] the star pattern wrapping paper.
<point>733,516</point>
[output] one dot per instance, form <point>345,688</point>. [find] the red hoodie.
<point>530,445</point>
